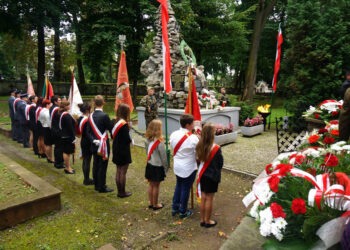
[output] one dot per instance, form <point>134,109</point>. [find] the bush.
<point>246,110</point>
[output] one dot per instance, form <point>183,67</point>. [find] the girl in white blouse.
<point>44,118</point>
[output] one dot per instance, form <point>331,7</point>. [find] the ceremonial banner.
<point>74,98</point>
<point>47,90</point>
<point>278,58</point>
<point>192,105</point>
<point>30,89</point>
<point>166,49</point>
<point>123,91</point>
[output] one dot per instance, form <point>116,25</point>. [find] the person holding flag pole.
<point>277,66</point>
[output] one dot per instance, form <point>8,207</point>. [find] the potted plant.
<point>253,126</point>
<point>225,134</point>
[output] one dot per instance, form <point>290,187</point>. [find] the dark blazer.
<point>213,171</point>
<point>55,120</point>
<point>68,127</point>
<point>103,123</point>
<point>32,123</point>
<point>15,109</point>
<point>121,146</point>
<point>10,102</point>
<point>21,112</point>
<point>85,142</point>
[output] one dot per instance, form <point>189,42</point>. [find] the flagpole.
<point>271,109</point>
<point>166,127</point>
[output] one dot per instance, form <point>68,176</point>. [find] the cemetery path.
<point>90,220</point>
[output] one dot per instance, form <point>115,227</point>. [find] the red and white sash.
<point>53,112</point>
<point>151,147</point>
<point>203,166</point>
<point>117,127</point>
<point>63,114</point>
<point>28,107</point>
<point>182,140</point>
<point>14,104</point>
<point>102,148</point>
<point>82,124</point>
<point>37,112</point>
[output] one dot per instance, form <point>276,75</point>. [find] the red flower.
<point>298,159</point>
<point>269,169</point>
<point>298,206</point>
<point>317,116</point>
<point>311,171</point>
<point>335,132</point>
<point>335,113</point>
<point>322,131</point>
<point>285,169</point>
<point>277,210</point>
<point>331,160</point>
<point>328,140</point>
<point>313,138</point>
<point>340,106</point>
<point>334,122</point>
<point>273,182</point>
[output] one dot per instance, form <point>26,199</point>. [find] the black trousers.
<point>17,131</point>
<point>86,166</point>
<point>58,151</point>
<point>25,135</point>
<point>13,128</point>
<point>35,141</point>
<point>99,171</point>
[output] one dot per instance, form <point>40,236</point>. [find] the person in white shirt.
<point>184,143</point>
<point>44,118</point>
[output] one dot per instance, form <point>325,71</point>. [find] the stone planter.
<point>251,131</point>
<point>314,124</point>
<point>226,138</point>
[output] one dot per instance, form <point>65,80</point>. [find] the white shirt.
<point>185,158</point>
<point>44,118</point>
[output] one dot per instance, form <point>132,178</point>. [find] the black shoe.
<point>49,161</point>
<point>42,156</point>
<point>202,224</point>
<point>157,208</point>
<point>187,214</point>
<point>211,225</point>
<point>59,166</point>
<point>174,212</point>
<point>106,190</point>
<point>88,182</point>
<point>20,142</point>
<point>125,195</point>
<point>67,172</point>
<point>150,206</point>
<point>26,146</point>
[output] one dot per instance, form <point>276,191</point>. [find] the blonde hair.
<point>154,130</point>
<point>206,142</point>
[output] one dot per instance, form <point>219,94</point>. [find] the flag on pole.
<point>165,45</point>
<point>47,90</point>
<point>123,91</point>
<point>278,58</point>
<point>74,98</point>
<point>192,105</point>
<point>30,89</point>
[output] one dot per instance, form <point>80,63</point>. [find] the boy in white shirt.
<point>183,142</point>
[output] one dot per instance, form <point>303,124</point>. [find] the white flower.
<point>279,236</point>
<point>254,212</point>
<point>281,223</point>
<point>275,163</point>
<point>311,152</point>
<point>334,127</point>
<point>284,156</point>
<point>266,216</point>
<point>346,147</point>
<point>310,111</point>
<point>336,148</point>
<point>265,229</point>
<point>263,192</point>
<point>340,143</point>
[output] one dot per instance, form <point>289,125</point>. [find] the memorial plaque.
<point>198,84</point>
<point>178,81</point>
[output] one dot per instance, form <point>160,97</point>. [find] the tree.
<point>318,54</point>
<point>263,11</point>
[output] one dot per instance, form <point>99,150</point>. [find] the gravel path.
<point>251,154</point>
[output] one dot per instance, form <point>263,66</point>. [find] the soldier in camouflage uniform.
<point>150,103</point>
<point>222,98</point>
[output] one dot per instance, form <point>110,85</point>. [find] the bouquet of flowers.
<point>254,121</point>
<point>327,110</point>
<point>221,129</point>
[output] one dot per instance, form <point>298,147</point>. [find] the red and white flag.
<point>166,49</point>
<point>278,58</point>
<point>30,89</point>
<point>74,98</point>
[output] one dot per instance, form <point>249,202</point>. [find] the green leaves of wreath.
<point>183,45</point>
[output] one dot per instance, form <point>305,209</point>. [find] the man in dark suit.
<point>98,126</point>
<point>55,131</point>
<point>21,115</point>
<point>16,124</point>
<point>12,115</point>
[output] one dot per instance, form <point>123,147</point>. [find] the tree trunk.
<point>41,59</point>
<point>78,51</point>
<point>57,62</point>
<point>262,14</point>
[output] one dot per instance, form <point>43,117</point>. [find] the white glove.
<point>96,142</point>
<point>74,141</point>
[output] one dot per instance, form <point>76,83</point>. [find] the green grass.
<point>12,186</point>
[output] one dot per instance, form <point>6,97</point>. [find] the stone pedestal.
<point>226,138</point>
<point>251,131</point>
<point>226,116</point>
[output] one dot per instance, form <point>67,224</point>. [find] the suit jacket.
<point>103,123</point>
<point>55,120</point>
<point>32,123</point>
<point>85,138</point>
<point>10,102</point>
<point>21,112</point>
<point>121,146</point>
<point>344,118</point>
<point>213,171</point>
<point>68,127</point>
<point>15,109</point>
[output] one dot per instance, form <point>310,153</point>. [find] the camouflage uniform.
<point>150,102</point>
<point>222,98</point>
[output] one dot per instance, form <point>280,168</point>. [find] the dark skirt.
<point>48,140</point>
<point>67,145</point>
<point>208,185</point>
<point>39,129</point>
<point>154,173</point>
